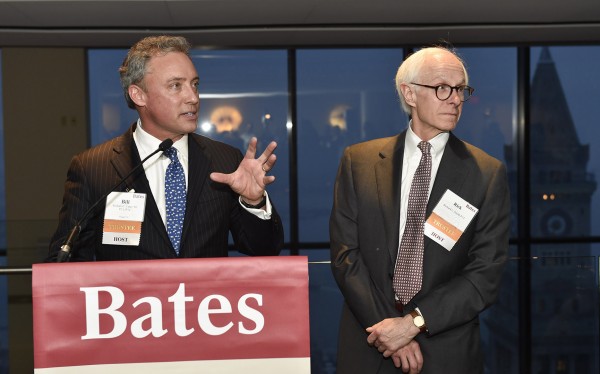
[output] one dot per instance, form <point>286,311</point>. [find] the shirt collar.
<point>147,143</point>
<point>437,143</point>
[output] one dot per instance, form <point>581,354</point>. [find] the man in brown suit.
<point>436,330</point>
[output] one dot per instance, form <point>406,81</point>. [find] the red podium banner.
<point>217,315</point>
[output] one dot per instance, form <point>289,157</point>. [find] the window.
<point>487,119</point>
<point>571,322</point>
<point>109,114</point>
<point>3,280</point>
<point>245,94</point>
<point>565,143</point>
<point>344,96</point>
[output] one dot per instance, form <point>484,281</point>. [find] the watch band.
<point>418,318</point>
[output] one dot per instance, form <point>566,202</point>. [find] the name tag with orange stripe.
<point>449,219</point>
<point>123,218</point>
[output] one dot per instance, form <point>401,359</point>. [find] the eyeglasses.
<point>444,91</point>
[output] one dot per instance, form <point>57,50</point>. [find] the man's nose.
<point>192,95</point>
<point>455,97</point>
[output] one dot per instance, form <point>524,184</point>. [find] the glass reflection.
<point>109,114</point>
<point>325,302</point>
<point>564,109</point>
<point>500,325</point>
<point>564,308</point>
<point>245,94</point>
<point>488,118</point>
<point>344,96</point>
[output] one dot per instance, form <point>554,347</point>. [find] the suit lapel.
<point>125,158</point>
<point>388,177</point>
<point>198,176</point>
<point>451,175</point>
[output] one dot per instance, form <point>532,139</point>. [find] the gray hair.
<point>410,69</point>
<point>133,69</point>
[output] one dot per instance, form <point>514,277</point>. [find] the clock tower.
<point>561,188</point>
<point>564,295</point>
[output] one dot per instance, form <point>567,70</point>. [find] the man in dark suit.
<point>223,190</point>
<point>436,328</point>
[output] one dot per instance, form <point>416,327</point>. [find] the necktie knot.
<point>171,153</point>
<point>425,147</point>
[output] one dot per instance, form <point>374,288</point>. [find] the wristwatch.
<point>418,320</point>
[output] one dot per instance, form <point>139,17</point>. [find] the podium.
<point>216,315</point>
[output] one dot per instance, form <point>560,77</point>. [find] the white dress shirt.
<point>156,168</point>
<point>412,157</point>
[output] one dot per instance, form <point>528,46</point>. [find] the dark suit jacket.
<point>457,284</point>
<point>212,209</point>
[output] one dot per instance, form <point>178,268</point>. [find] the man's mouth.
<point>189,114</point>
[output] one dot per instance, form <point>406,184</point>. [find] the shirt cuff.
<point>260,213</point>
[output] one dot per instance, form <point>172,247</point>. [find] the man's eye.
<point>443,87</point>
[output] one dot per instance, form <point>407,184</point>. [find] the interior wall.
<point>45,115</point>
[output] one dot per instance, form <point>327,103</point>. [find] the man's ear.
<point>408,93</point>
<point>137,95</point>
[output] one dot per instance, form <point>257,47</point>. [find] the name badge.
<point>123,218</point>
<point>449,219</point>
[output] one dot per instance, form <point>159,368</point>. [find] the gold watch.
<point>418,320</point>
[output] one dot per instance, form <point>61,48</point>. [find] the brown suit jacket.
<point>457,284</point>
<point>212,209</point>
